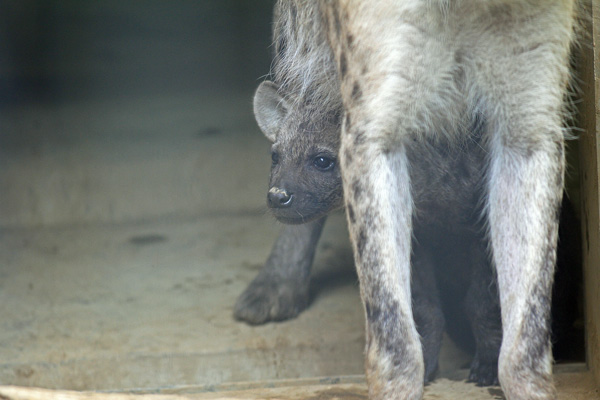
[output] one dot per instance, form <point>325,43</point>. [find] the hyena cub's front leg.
<point>281,289</point>
<point>427,310</point>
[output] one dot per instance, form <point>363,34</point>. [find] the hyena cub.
<point>411,76</point>
<point>305,185</point>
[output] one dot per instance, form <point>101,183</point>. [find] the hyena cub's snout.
<point>305,181</point>
<point>305,184</point>
<point>279,198</point>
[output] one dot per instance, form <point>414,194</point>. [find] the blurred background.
<point>66,50</point>
<point>92,80</point>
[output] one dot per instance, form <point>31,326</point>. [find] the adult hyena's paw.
<point>484,373</point>
<point>270,299</point>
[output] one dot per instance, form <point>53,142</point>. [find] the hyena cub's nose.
<point>279,198</point>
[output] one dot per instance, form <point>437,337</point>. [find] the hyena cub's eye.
<point>275,157</point>
<point>323,163</point>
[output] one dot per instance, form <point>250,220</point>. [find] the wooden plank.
<point>575,383</point>
<point>572,386</point>
<point>590,204</point>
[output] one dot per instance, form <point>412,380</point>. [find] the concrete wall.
<point>113,111</point>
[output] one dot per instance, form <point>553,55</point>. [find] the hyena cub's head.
<point>305,181</point>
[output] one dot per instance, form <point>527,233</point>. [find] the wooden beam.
<point>590,204</point>
<point>572,385</point>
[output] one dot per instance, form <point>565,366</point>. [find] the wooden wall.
<point>590,204</point>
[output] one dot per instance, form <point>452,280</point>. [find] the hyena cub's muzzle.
<point>279,198</point>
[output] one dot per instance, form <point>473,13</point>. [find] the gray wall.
<point>64,49</point>
<point>127,110</point>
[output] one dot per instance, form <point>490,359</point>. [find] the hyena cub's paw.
<point>431,368</point>
<point>484,373</point>
<point>270,298</point>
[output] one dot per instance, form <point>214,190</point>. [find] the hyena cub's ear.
<point>269,109</point>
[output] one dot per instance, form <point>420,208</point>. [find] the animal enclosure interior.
<point>132,216</point>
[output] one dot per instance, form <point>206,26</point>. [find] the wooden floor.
<point>573,383</point>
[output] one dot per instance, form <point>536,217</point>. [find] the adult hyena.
<point>415,71</point>
<point>410,68</point>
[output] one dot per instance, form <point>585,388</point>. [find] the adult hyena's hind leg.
<point>381,64</point>
<point>524,85</point>
<point>523,203</point>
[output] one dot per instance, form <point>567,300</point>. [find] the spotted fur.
<point>408,73</point>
